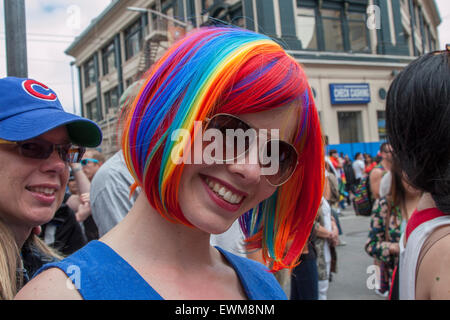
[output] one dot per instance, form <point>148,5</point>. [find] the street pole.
<point>15,38</point>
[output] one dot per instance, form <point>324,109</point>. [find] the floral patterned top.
<point>377,245</point>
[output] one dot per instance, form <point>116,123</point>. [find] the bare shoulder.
<point>433,279</point>
<point>376,173</point>
<point>52,284</point>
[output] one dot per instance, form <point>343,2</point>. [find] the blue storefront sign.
<point>349,93</point>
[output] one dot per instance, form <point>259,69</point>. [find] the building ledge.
<point>343,58</point>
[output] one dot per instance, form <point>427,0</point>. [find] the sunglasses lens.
<point>237,136</point>
<point>279,160</point>
<point>36,149</point>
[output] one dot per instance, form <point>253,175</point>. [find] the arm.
<point>375,179</point>
<point>376,246</point>
<point>83,183</point>
<point>433,277</point>
<point>322,232</point>
<point>51,284</point>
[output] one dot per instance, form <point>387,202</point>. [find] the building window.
<point>350,126</point>
<point>332,26</point>
<point>206,4</point>
<point>134,35</point>
<point>111,99</point>
<point>381,117</point>
<point>108,58</point>
<point>306,28</point>
<point>332,30</point>
<point>93,112</point>
<point>357,32</point>
<point>89,72</point>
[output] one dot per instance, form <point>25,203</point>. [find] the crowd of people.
<point>220,225</point>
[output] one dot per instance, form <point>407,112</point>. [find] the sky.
<point>52,25</point>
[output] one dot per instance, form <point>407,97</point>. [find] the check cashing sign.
<point>349,93</point>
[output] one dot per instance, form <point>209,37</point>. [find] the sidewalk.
<point>353,277</point>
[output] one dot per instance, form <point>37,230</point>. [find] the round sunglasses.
<point>42,149</point>
<point>273,153</point>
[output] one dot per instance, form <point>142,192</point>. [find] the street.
<point>355,267</point>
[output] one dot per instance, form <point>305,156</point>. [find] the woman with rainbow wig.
<point>182,143</point>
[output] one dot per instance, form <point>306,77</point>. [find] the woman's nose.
<point>54,163</point>
<point>247,167</point>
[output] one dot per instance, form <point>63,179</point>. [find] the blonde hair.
<point>9,262</point>
<point>10,280</point>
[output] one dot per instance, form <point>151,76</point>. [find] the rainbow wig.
<point>235,71</point>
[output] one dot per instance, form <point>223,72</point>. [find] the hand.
<point>84,198</point>
<point>394,248</point>
<point>84,211</point>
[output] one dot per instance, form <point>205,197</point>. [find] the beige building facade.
<point>350,49</point>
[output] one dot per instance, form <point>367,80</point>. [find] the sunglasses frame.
<point>85,161</point>
<point>208,121</point>
<point>58,147</point>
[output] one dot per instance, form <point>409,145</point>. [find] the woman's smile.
<point>223,194</point>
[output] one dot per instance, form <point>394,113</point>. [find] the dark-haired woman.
<point>389,217</point>
<point>417,123</point>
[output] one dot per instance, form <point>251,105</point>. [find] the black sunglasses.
<point>42,149</point>
<point>287,159</point>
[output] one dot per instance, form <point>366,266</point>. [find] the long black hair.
<point>418,124</point>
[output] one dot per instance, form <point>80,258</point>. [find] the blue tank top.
<point>99,273</point>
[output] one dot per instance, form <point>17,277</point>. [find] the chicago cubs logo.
<point>38,90</point>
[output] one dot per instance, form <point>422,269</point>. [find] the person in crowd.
<point>214,81</point>
<point>110,198</point>
<point>325,243</point>
<point>63,232</point>
<point>388,222</point>
<point>380,169</point>
<point>351,182</point>
<point>305,277</point>
<point>417,124</point>
<point>84,172</point>
<point>335,159</point>
<point>358,167</point>
<point>369,162</point>
<point>332,195</point>
<point>37,141</point>
<point>92,162</point>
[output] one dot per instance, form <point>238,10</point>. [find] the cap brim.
<point>28,125</point>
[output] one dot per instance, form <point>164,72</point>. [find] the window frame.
<point>107,96</point>
<point>90,115</point>
<point>344,20</point>
<point>107,51</point>
<point>87,66</point>
<point>139,26</point>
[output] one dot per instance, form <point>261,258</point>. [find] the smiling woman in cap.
<point>38,140</point>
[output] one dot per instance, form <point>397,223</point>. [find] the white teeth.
<point>223,192</point>
<point>46,191</point>
<point>227,196</point>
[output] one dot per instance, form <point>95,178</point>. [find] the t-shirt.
<point>358,168</point>
<point>231,240</point>
<point>99,273</point>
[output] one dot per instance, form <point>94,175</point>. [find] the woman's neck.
<point>154,237</point>
<point>426,202</point>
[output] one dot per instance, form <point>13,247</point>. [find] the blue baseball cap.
<point>28,108</point>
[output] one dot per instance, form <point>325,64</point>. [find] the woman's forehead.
<point>285,119</point>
